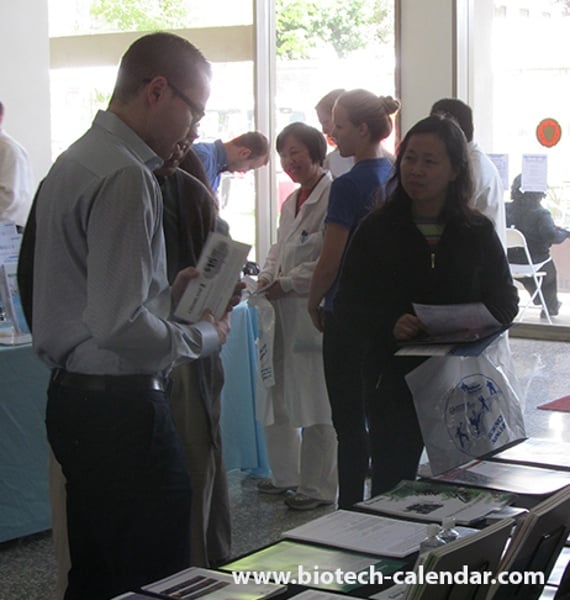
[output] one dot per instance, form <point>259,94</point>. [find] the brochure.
<point>195,583</point>
<point>220,264</point>
<point>10,299</point>
<point>516,479</point>
<point>537,452</point>
<point>433,502</point>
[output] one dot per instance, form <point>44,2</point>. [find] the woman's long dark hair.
<point>460,190</point>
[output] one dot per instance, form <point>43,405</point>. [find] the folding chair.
<point>530,270</point>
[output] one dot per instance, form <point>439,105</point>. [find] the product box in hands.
<point>219,266</point>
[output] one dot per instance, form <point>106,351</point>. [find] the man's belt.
<point>108,383</point>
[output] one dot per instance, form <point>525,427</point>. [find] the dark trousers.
<point>549,287</point>
<point>343,374</point>
<point>395,436</point>
<point>128,491</point>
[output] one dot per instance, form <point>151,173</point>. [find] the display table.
<point>24,503</point>
<point>24,499</point>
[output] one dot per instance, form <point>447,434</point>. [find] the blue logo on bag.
<point>473,414</point>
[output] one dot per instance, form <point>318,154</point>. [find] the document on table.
<point>362,533</point>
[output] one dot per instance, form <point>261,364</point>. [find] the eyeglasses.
<point>198,112</point>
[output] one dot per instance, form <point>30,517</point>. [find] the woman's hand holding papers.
<point>408,327</point>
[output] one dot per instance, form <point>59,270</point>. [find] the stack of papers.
<point>362,533</point>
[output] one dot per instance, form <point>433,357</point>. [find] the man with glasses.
<point>102,322</point>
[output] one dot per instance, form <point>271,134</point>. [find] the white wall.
<point>24,78</point>
<point>426,56</point>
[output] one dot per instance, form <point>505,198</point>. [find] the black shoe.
<point>553,312</point>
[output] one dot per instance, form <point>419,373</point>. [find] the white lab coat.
<point>15,181</point>
<point>299,389</point>
<point>488,192</point>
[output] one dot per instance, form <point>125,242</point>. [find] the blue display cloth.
<point>24,499</point>
<point>242,435</point>
<point>24,496</point>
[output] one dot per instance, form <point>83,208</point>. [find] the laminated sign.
<point>466,408</point>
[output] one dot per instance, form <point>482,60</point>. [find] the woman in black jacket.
<point>425,245</point>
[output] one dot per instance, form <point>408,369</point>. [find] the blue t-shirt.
<point>352,196</point>
<point>214,159</point>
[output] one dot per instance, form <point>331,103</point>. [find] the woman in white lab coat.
<point>301,441</point>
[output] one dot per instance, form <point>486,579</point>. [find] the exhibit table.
<point>24,498</point>
<point>24,502</point>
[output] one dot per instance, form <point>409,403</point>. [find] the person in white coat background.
<point>488,192</point>
<point>301,440</point>
<point>15,179</point>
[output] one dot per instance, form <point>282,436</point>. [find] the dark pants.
<point>128,491</point>
<point>395,436</point>
<point>549,287</point>
<point>343,374</point>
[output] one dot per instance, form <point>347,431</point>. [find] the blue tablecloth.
<point>24,498</point>
<point>24,502</point>
<point>242,435</point>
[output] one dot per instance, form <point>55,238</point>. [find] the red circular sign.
<point>549,132</point>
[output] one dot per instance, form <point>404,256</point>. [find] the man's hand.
<point>181,282</point>
<point>222,326</point>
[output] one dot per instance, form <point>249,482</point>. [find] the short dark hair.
<point>254,141</point>
<point>309,136</point>
<point>457,109</point>
<point>157,54</point>
<point>458,191</point>
<point>1,109</point>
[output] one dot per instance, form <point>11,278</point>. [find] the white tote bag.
<point>466,407</point>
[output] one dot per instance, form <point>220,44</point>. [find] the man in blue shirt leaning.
<point>241,154</point>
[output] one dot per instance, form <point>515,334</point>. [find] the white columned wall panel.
<point>425,56</point>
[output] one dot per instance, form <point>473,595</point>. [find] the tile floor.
<point>27,569</point>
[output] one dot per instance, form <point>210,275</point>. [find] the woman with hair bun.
<point>361,121</point>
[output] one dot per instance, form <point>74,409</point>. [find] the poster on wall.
<point>534,173</point>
